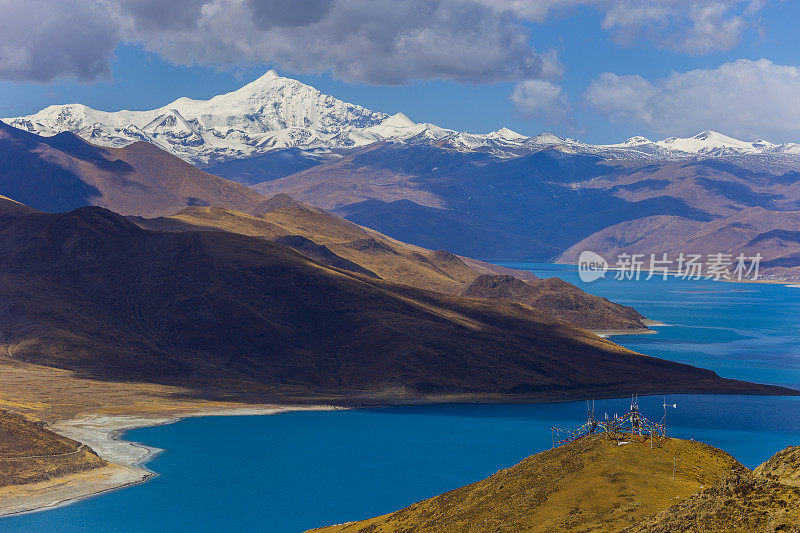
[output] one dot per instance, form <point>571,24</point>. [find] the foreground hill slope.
<point>767,499</point>
<point>592,484</point>
<point>29,452</point>
<point>64,172</point>
<point>92,292</point>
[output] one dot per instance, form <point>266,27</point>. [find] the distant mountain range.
<point>495,195</point>
<point>276,113</point>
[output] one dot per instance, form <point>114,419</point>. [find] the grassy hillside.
<point>767,499</point>
<point>592,484</point>
<point>390,259</point>
<point>29,452</point>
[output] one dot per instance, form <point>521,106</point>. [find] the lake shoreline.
<point>127,459</point>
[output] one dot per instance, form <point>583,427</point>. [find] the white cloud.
<point>541,100</point>
<point>369,41</point>
<point>691,26</point>
<point>746,99</point>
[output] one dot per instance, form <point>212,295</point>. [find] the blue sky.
<point>476,101</point>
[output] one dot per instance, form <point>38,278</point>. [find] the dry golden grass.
<point>593,484</point>
<point>30,453</point>
<point>768,499</point>
<point>53,395</point>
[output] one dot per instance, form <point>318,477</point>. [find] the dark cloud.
<point>369,41</point>
<point>44,39</point>
<point>161,14</point>
<point>289,13</point>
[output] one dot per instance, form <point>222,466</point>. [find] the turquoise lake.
<point>294,471</point>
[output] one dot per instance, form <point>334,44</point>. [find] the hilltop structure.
<point>632,424</point>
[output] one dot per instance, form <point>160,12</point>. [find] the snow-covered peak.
<point>398,120</point>
<point>269,113</point>
<point>507,134</point>
<point>704,141</point>
<point>548,139</point>
<point>637,141</point>
<point>713,143</point>
<point>274,112</point>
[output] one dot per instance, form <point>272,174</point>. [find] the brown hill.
<point>286,219</point>
<point>783,467</point>
<point>29,452</point>
<point>552,202</point>
<point>750,231</point>
<point>337,242</point>
<point>528,207</point>
<point>92,292</point>
<point>592,484</point>
<point>767,499</point>
<point>63,172</point>
<point>561,299</point>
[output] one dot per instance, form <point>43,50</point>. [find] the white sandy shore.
<point>128,459</point>
<point>605,333</point>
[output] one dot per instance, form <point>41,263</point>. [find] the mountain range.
<point>275,113</point>
<point>267,297</point>
<point>496,195</point>
<point>143,181</point>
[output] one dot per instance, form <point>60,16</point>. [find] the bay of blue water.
<point>293,471</point>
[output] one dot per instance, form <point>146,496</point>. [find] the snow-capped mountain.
<point>274,112</point>
<point>711,144</point>
<point>269,113</point>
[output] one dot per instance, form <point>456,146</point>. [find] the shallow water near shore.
<point>293,471</point>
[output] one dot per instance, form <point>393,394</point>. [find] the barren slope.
<point>64,172</point>
<point>92,292</point>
